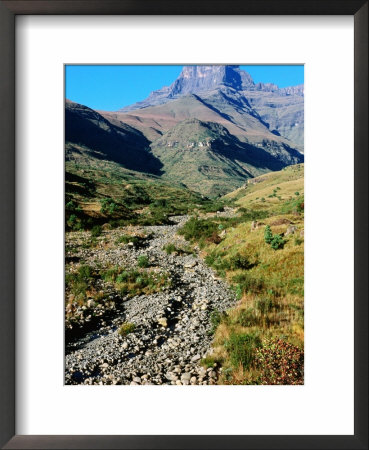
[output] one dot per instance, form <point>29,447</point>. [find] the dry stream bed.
<point>171,330</point>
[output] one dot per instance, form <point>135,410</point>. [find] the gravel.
<point>172,327</point>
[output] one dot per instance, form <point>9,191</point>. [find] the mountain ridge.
<point>199,78</point>
<point>248,129</point>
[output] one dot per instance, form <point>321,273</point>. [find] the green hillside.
<point>260,252</point>
<point>104,192</point>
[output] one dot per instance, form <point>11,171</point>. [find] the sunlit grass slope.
<point>261,340</point>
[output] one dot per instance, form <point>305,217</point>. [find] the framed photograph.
<point>184,238</point>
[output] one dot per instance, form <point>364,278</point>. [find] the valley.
<point>184,244</point>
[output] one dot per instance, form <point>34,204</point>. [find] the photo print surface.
<point>184,225</point>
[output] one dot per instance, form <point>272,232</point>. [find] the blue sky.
<point>112,87</point>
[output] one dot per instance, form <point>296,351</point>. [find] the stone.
<point>290,230</point>
<point>90,303</point>
<point>222,234</point>
<point>196,358</point>
<point>190,264</point>
<point>171,377</point>
<point>186,376</point>
<point>163,322</point>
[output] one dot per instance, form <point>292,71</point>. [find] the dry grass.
<point>271,291</point>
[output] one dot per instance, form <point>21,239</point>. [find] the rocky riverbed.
<point>172,328</point>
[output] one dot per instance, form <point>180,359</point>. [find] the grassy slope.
<point>268,319</point>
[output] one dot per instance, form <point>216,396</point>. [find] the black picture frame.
<point>8,12</point>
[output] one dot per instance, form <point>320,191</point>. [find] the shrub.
<point>96,231</point>
<point>209,361</point>
<point>79,282</point>
<point>218,262</point>
<point>73,222</point>
<point>108,206</point>
<point>277,242</point>
<point>85,272</point>
<point>195,229</point>
<point>125,238</point>
<point>135,282</point>
<point>126,328</point>
<point>143,261</point>
<point>268,235</point>
<point>170,248</point>
<point>110,274</point>
<point>239,262</point>
<point>241,349</point>
<point>123,277</point>
<point>71,206</point>
<point>280,363</point>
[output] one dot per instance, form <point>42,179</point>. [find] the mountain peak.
<point>196,79</point>
<point>205,78</point>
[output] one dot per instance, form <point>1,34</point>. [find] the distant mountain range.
<point>211,129</point>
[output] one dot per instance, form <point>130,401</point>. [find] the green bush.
<point>170,248</point>
<point>239,262</point>
<point>277,242</point>
<point>71,206</point>
<point>79,282</point>
<point>143,261</point>
<point>108,206</point>
<point>123,277</point>
<point>74,223</point>
<point>96,231</point>
<point>268,235</point>
<point>85,272</point>
<point>126,238</point>
<point>195,229</point>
